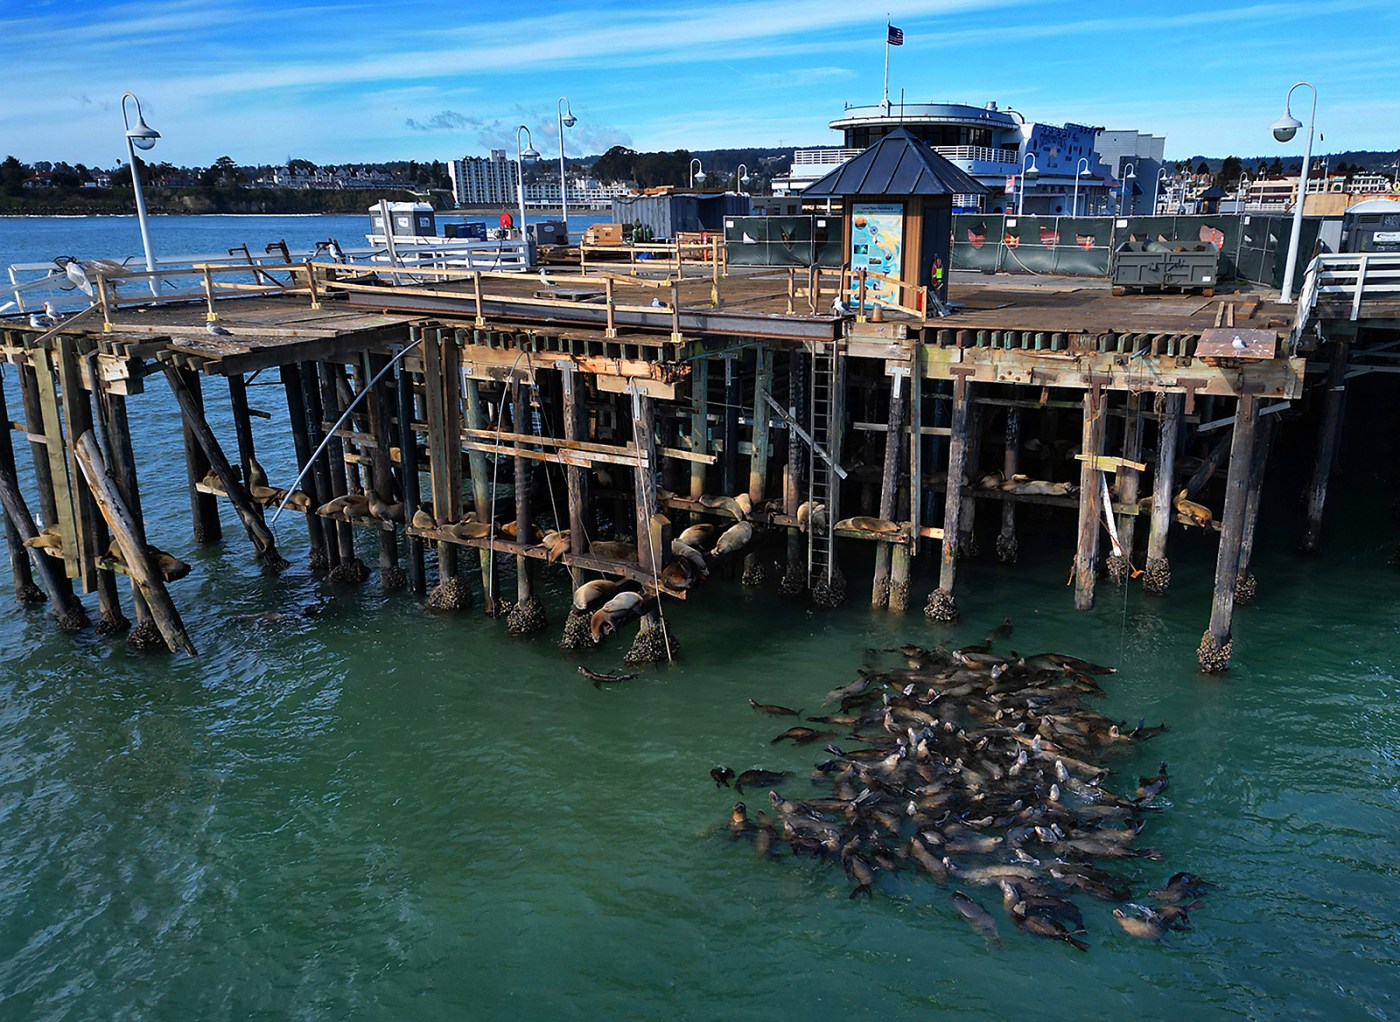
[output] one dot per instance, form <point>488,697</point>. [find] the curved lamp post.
<point>1131,175</point>
<point>741,177</point>
<point>1033,172</point>
<point>142,137</point>
<point>528,152</point>
<point>566,120</point>
<point>1157,187</point>
<point>697,172</point>
<point>1081,169</point>
<point>1284,129</point>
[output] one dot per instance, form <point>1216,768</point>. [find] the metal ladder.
<point>822,484</point>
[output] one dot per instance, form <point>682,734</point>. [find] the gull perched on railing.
<point>83,272</point>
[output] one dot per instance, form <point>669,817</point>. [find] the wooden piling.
<point>575,480</point>
<point>1125,489</point>
<point>204,508</point>
<point>942,605</point>
<point>967,542</point>
<point>320,465</point>
<point>412,483</point>
<point>379,417</point>
<point>1008,547</point>
<point>121,459</point>
<point>528,613</point>
<point>351,568</point>
<point>1086,558</point>
<point>889,479</point>
<point>794,579</point>
<point>139,562</point>
<point>1246,587</point>
<point>730,420</point>
<point>198,428</point>
<point>699,423</point>
<point>1216,646</point>
<point>481,497</point>
<point>242,426</point>
<point>295,390</point>
<point>445,462</point>
<point>1326,441</point>
<point>1157,574</point>
<point>758,459</point>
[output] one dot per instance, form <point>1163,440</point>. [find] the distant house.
<point>41,180</point>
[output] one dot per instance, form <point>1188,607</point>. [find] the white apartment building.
<point>485,181</point>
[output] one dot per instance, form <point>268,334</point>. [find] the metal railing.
<point>817,157</point>
<point>1356,276</point>
<point>985,154</point>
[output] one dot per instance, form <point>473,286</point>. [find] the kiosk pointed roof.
<point>898,164</point>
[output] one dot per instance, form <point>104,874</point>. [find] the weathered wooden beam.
<point>50,418</point>
<point>1216,646</point>
<point>1332,408</point>
<point>412,483</point>
<point>204,508</point>
<point>295,390</point>
<point>1157,571</point>
<point>1126,479</point>
<point>1246,588</point>
<point>889,479</point>
<point>1086,558</point>
<point>575,480</point>
<point>729,463</point>
<point>139,562</point>
<point>942,605</point>
<point>198,427</point>
<point>350,566</point>
<point>758,458</point>
<point>524,522</point>
<point>310,376</point>
<point>1008,546</point>
<point>482,492</point>
<point>121,458</point>
<point>699,422</point>
<point>242,423</point>
<point>380,419</point>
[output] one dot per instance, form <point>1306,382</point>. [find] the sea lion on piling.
<point>342,505</point>
<point>700,537</point>
<point>1191,512</point>
<point>296,500</point>
<point>739,506</point>
<point>620,609</point>
<point>592,595</point>
<point>423,520</point>
<point>171,568</point>
<point>1038,487</point>
<point>860,523</point>
<point>680,548</point>
<point>612,550</point>
<point>734,539</point>
<point>257,475</point>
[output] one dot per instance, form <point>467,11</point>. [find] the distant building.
<point>989,144</point>
<point>1126,151</point>
<point>479,181</point>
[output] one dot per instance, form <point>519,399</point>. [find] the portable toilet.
<point>897,214</point>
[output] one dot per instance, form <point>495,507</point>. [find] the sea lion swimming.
<point>774,710</point>
<point>977,917</point>
<point>760,777</point>
<point>721,775</point>
<point>1150,787</point>
<point>862,523</point>
<point>1045,926</point>
<point>600,679</point>
<point>1146,925</point>
<point>802,735</point>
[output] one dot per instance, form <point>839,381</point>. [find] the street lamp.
<point>1034,171</point>
<point>741,177</point>
<point>1244,193</point>
<point>1157,187</point>
<point>142,137</point>
<point>1131,175</point>
<point>697,172</point>
<point>528,152</point>
<point>565,121</point>
<point>1081,169</point>
<point>1284,129</point>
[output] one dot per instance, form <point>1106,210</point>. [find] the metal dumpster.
<point>1160,264</point>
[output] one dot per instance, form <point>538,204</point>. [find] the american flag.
<point>895,37</point>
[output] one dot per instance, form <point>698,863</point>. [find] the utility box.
<point>1372,226</point>
<point>1152,265</point>
<point>549,232</point>
<point>407,220</point>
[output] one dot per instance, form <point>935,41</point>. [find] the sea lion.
<point>171,568</point>
<point>810,516</point>
<point>49,539</point>
<point>351,505</point>
<point>760,778</point>
<point>679,575</point>
<point>592,595</point>
<point>700,537</point>
<point>511,531</point>
<point>384,510</point>
<point>721,775</point>
<point>694,556</point>
<point>294,499</point>
<point>1147,925</point>
<point>977,917</point>
<point>468,530</point>
<point>991,481</point>
<point>612,550</point>
<point>774,710</point>
<point>802,735</point>
<point>1150,787</point>
<point>1045,926</point>
<point>556,544</point>
<point>257,475</point>
<point>1040,487</point>
<point>211,481</point>
<point>599,679</point>
<point>423,520</point>
<point>1192,513</point>
<point>739,506</point>
<point>620,609</point>
<point>866,524</point>
<point>739,817</point>
<point>734,539</point>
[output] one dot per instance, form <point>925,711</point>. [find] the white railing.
<point>816,157</point>
<point>1357,275</point>
<point>982,153</point>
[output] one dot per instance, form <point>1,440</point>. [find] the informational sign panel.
<point>877,245</point>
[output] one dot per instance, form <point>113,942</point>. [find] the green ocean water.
<point>386,813</point>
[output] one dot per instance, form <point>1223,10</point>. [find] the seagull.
<point>544,279</point>
<point>1239,343</point>
<point>657,303</point>
<point>44,320</point>
<point>82,273</point>
<point>840,308</point>
<point>213,328</point>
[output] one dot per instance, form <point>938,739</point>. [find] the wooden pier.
<point>586,418</point>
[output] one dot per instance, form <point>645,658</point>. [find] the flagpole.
<point>887,65</point>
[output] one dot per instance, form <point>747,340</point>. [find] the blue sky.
<point>342,82</point>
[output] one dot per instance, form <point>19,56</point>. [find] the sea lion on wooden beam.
<point>592,595</point>
<point>351,505</point>
<point>739,506</point>
<point>296,500</point>
<point>734,539</point>
<point>691,554</point>
<point>880,526</point>
<point>1191,513</point>
<point>679,575</point>
<point>701,537</point>
<point>556,543</point>
<point>619,610</point>
<point>812,516</point>
<point>384,510</point>
<point>511,531</point>
<point>49,539</point>
<point>468,530</point>
<point>257,475</point>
